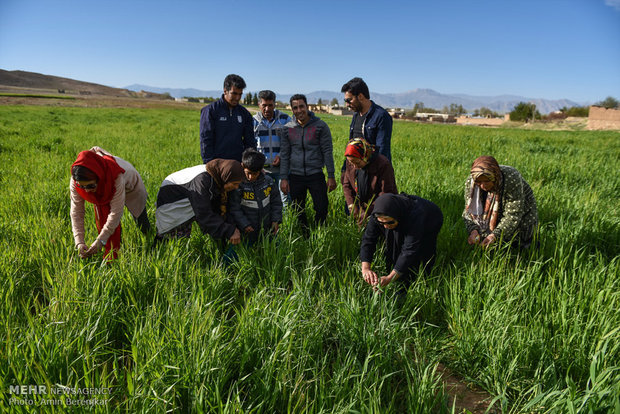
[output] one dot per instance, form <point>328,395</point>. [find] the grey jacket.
<point>306,149</point>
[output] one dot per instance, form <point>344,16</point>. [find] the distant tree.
<point>453,109</point>
<point>578,111</point>
<point>524,111</point>
<point>247,100</point>
<point>485,112</point>
<point>319,102</point>
<point>165,95</point>
<point>418,107</point>
<point>610,103</point>
<point>280,104</point>
<point>554,116</point>
<point>255,100</point>
<point>334,102</point>
<point>193,99</point>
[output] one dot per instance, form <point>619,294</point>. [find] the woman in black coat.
<point>409,225</point>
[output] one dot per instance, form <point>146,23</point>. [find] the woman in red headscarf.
<point>110,183</point>
<point>367,175</point>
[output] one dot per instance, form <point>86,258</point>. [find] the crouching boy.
<point>256,206</point>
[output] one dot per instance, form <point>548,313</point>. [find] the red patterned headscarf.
<point>359,148</point>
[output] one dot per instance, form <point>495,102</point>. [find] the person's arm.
<point>236,212</point>
<point>367,250</point>
<point>249,140</point>
<point>207,142</point>
<point>348,187</point>
<point>387,279</point>
<point>275,202</point>
<point>285,160</point>
<point>325,141</point>
<point>384,135</point>
<point>117,205</point>
<point>368,274</point>
<point>77,216</point>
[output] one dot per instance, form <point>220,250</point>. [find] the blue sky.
<point>533,48</point>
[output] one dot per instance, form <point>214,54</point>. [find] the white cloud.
<point>613,3</point>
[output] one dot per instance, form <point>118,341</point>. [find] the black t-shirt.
<point>357,127</point>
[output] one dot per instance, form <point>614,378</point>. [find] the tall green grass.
<point>291,326</point>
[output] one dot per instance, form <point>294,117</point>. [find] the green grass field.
<point>292,327</point>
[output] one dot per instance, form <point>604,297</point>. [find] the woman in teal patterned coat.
<point>499,205</point>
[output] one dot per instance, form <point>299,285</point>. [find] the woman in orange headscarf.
<point>499,204</point>
<point>110,183</point>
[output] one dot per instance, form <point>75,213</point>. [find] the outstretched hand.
<point>331,184</point>
<point>284,186</point>
<point>490,239</point>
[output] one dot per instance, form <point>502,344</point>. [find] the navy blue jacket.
<point>377,129</point>
<point>225,132</point>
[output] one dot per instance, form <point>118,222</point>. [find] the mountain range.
<point>406,100</point>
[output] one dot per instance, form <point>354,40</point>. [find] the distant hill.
<point>32,80</point>
<point>407,100</point>
<point>176,93</point>
<point>430,98</point>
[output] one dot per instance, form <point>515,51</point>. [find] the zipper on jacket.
<point>303,148</point>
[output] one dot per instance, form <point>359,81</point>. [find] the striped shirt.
<point>268,136</point>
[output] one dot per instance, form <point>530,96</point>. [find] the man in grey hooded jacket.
<point>306,148</point>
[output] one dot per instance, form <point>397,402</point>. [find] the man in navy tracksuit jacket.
<point>225,126</point>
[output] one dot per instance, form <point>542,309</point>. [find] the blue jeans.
<point>286,198</point>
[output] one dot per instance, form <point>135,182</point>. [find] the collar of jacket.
<point>312,119</point>
<point>223,102</point>
<point>260,118</point>
<point>373,105</point>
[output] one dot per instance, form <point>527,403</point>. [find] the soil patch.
<point>466,398</point>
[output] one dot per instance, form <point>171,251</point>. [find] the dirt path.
<point>466,398</point>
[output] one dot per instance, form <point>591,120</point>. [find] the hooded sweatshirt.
<point>306,149</point>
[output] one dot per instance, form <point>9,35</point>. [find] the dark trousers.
<point>299,185</point>
<point>143,222</point>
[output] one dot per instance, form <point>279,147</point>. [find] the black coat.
<point>414,240</point>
